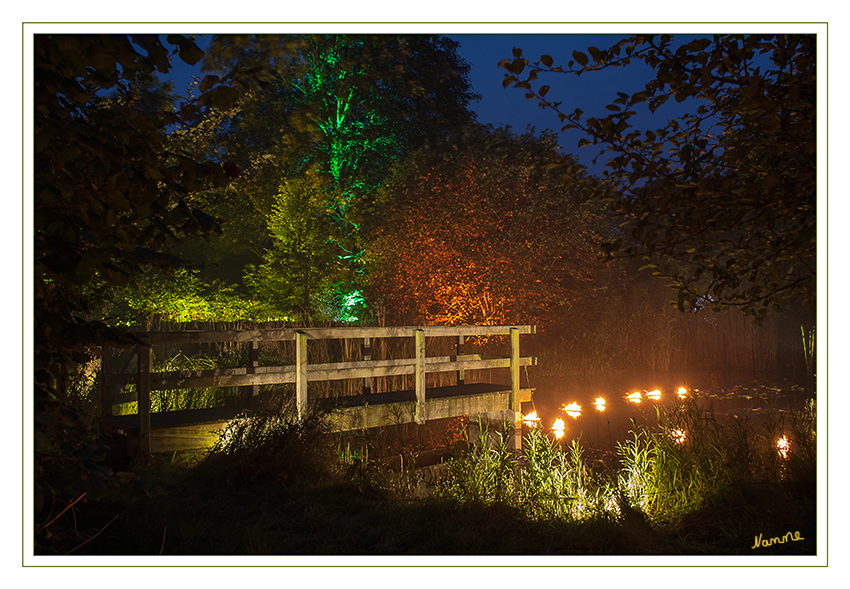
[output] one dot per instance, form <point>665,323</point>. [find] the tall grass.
<point>486,469</point>
<point>688,461</point>
<point>545,481</point>
<point>558,484</point>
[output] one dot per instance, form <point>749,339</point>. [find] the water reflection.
<point>782,445</point>
<point>559,428</point>
<point>625,404</point>
<point>573,410</point>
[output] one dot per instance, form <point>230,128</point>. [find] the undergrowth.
<point>275,484</point>
<point>690,462</point>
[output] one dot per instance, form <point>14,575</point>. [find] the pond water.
<point>725,393</point>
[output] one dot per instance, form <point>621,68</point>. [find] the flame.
<point>635,397</point>
<point>600,404</point>
<point>783,446</point>
<point>678,436</point>
<point>682,393</point>
<point>654,395</point>
<point>559,427</point>
<point>531,419</point>
<point>573,410</point>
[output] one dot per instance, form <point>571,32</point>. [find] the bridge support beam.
<point>516,403</point>
<point>143,395</point>
<point>301,373</point>
<point>419,376</point>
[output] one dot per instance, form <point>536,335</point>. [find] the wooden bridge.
<point>146,432</point>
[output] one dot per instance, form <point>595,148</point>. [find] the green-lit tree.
<point>721,199</point>
<point>346,107</point>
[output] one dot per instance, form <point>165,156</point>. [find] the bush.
<point>272,449</point>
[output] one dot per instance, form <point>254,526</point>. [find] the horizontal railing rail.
<point>266,335</point>
<point>302,372</point>
<point>229,377</point>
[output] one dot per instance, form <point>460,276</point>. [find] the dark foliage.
<point>726,190</point>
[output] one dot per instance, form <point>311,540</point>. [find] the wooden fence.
<point>302,372</point>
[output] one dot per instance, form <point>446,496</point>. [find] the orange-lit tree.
<point>477,231</point>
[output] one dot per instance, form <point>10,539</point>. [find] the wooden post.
<point>461,378</point>
<point>419,415</point>
<point>105,381</point>
<point>253,363</point>
<point>143,396</point>
<point>515,401</point>
<point>301,373</point>
<point>366,350</point>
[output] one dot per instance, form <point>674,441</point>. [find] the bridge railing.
<point>302,372</point>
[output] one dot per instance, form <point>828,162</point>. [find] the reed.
<point>483,470</point>
<point>809,349</point>
<point>666,472</point>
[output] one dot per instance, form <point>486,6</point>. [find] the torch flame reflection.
<point>573,410</point>
<point>531,420</point>
<point>559,427</point>
<point>682,393</point>
<point>783,446</point>
<point>635,397</point>
<point>654,395</point>
<point>600,404</point>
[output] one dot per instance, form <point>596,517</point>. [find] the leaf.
<point>190,53</point>
<point>698,45</point>
<point>580,57</point>
<point>546,60</point>
<point>208,82</point>
<point>221,97</point>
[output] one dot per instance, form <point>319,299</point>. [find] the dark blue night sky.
<point>500,106</point>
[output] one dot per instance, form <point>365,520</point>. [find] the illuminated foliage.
<point>477,232</point>
<point>302,262</point>
<point>346,107</point>
<point>727,189</point>
<point>184,297</point>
